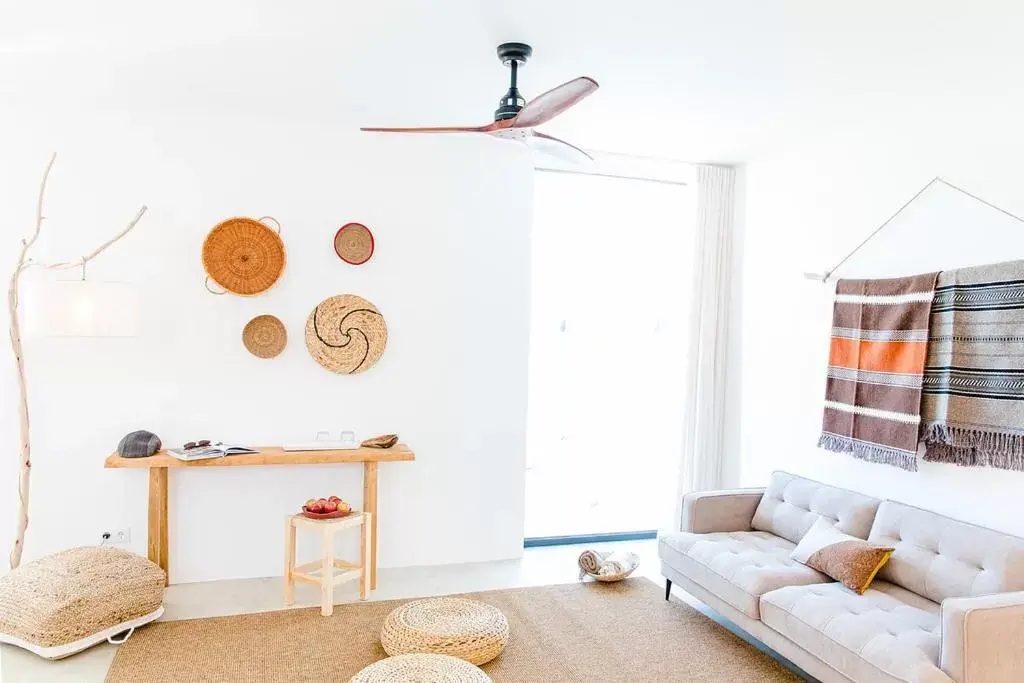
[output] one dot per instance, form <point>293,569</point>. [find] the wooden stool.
<point>327,579</point>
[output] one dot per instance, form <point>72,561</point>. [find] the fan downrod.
<point>512,55</point>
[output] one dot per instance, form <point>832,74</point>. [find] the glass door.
<point>611,272</point>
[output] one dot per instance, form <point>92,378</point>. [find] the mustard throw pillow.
<point>845,558</point>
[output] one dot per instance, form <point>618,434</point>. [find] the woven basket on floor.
<point>634,562</point>
<point>421,668</point>
<point>466,629</point>
<point>265,336</point>
<point>66,602</point>
<point>244,256</point>
<point>346,334</point>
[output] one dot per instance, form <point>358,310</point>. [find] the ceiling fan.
<point>517,119</point>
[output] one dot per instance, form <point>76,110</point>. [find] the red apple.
<point>334,499</point>
<point>330,506</point>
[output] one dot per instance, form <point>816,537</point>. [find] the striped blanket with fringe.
<point>972,410</point>
<point>875,368</point>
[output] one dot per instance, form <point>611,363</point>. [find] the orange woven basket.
<point>244,256</point>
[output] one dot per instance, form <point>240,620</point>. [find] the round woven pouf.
<point>467,629</point>
<point>421,668</point>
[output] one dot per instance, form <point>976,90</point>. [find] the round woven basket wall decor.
<point>244,256</point>
<point>265,336</point>
<point>346,334</point>
<point>354,243</point>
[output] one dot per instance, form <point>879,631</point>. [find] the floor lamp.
<point>76,308</point>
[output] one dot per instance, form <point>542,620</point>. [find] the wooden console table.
<point>159,464</point>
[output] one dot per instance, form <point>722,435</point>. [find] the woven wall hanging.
<point>244,256</point>
<point>346,334</point>
<point>354,243</point>
<point>265,336</point>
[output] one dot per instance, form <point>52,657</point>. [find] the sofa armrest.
<point>706,512</point>
<point>983,638</point>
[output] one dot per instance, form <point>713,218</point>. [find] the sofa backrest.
<point>791,505</point>
<point>938,557</point>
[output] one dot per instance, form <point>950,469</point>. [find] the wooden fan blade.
<point>497,125</point>
<point>558,148</point>
<point>545,107</point>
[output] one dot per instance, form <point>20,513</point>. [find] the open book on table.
<point>214,450</point>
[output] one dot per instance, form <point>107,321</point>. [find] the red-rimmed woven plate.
<point>353,243</point>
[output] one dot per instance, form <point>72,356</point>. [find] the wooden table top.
<point>269,455</point>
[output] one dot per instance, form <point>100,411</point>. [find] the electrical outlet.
<point>117,536</point>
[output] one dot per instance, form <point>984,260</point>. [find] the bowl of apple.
<point>326,508</point>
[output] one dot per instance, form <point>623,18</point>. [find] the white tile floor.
<point>538,567</point>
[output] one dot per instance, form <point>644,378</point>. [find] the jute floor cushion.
<point>421,668</point>
<point>66,602</point>
<point>467,629</point>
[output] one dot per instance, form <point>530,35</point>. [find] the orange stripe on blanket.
<point>878,356</point>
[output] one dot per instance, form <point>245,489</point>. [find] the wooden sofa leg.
<point>668,588</point>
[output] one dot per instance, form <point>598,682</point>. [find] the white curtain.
<point>704,423</point>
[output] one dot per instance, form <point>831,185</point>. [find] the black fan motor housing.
<point>512,55</point>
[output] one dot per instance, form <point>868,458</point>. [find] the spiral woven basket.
<point>265,336</point>
<point>56,605</point>
<point>421,668</point>
<point>467,629</point>
<point>244,256</point>
<point>346,334</point>
<point>353,243</point>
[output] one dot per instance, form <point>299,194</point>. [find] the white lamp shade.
<point>81,308</point>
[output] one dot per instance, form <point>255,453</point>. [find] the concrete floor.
<point>537,567</point>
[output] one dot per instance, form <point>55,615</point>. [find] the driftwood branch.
<point>25,452</point>
<point>64,265</point>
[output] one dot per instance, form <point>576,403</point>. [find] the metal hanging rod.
<point>824,277</point>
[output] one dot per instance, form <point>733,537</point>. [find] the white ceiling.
<point>721,80</point>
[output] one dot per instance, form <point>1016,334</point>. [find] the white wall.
<point>450,274</point>
<point>808,208</point>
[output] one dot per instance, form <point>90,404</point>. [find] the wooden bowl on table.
<point>337,514</point>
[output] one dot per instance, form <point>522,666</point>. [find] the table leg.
<point>370,505</point>
<point>157,541</point>
<point>364,554</point>
<point>289,563</point>
<point>327,574</point>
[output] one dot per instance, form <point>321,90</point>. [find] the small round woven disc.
<point>346,334</point>
<point>244,256</point>
<point>265,336</point>
<point>354,243</point>
<point>421,668</point>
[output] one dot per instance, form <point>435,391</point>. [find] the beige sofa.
<point>949,605</point>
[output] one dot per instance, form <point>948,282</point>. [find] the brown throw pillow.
<point>850,560</point>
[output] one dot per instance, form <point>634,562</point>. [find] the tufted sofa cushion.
<point>738,566</point>
<point>886,634</point>
<point>791,505</point>
<point>940,558</point>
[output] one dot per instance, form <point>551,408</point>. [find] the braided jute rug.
<point>559,634</point>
